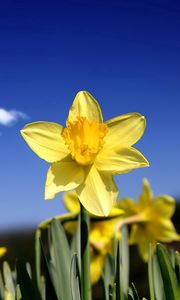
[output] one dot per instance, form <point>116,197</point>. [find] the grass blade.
<point>108,275</point>
<point>177,267</point>
<point>168,274</point>
<point>75,279</point>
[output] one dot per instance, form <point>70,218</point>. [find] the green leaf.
<point>168,275</point>
<point>60,266</point>
<point>108,275</point>
<point>130,294</point>
<point>18,293</point>
<point>157,279</point>
<point>112,292</point>
<point>8,279</point>
<point>172,257</point>
<point>28,268</point>
<point>75,279</point>
<point>61,218</point>
<point>1,287</point>
<point>47,287</point>
<point>135,293</point>
<point>76,243</point>
<point>38,259</point>
<point>28,288</point>
<point>177,266</point>
<point>156,287</point>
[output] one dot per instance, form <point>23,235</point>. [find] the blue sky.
<point>126,53</point>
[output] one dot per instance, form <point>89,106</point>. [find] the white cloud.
<point>9,117</point>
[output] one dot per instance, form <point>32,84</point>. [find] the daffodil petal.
<point>63,176</point>
<point>8,295</point>
<point>45,139</point>
<point>157,226</point>
<point>164,206</point>
<point>122,160</point>
<point>71,202</point>
<point>143,233</point>
<point>142,238</point>
<point>3,250</point>
<point>96,267</point>
<point>137,234</point>
<point>70,227</point>
<point>128,206</point>
<point>84,105</point>
<point>125,130</point>
<point>102,232</point>
<point>144,250</point>
<point>97,193</point>
<point>164,231</point>
<point>147,194</point>
<point>116,211</point>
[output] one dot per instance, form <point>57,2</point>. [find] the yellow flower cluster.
<point>84,157</point>
<point>150,218</point>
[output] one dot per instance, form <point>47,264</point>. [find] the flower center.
<point>84,139</point>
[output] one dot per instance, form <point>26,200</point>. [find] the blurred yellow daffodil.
<point>102,230</point>
<point>151,219</point>
<point>3,251</point>
<point>8,295</point>
<point>88,152</point>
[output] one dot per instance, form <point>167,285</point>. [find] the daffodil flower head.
<point>88,152</point>
<point>150,217</point>
<point>3,251</point>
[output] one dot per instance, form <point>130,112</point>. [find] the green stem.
<point>85,256</point>
<point>150,273</point>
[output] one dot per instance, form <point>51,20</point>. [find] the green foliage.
<point>59,270</point>
<point>171,288</point>
<point>163,274</point>
<point>17,284</point>
<point>116,273</point>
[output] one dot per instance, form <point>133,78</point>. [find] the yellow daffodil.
<point>3,251</point>
<point>151,219</point>
<point>88,152</point>
<point>102,230</point>
<point>8,295</point>
<point>100,245</point>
